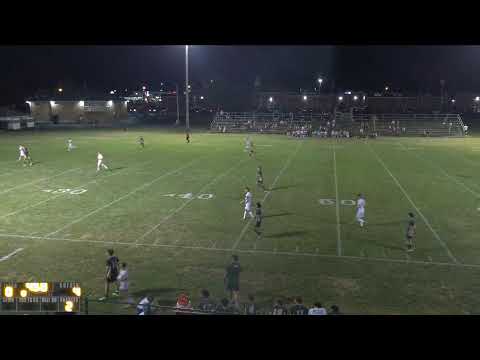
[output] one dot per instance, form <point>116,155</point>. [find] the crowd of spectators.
<point>231,305</point>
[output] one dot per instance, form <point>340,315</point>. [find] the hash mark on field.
<point>435,234</point>
<point>137,189</point>
<point>8,256</point>
<point>187,202</point>
<point>285,166</point>
<point>37,181</point>
<point>264,252</point>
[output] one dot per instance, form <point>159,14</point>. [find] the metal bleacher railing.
<point>273,122</point>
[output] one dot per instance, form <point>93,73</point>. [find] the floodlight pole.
<point>187,119</point>
<point>178,113</point>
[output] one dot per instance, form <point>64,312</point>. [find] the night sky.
<point>24,69</point>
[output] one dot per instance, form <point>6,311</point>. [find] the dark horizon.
<point>26,69</point>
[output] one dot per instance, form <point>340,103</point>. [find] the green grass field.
<point>172,211</point>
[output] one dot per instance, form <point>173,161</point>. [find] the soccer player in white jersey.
<point>100,162</point>
<point>248,204</point>
<point>22,156</point>
<point>70,146</point>
<point>360,209</point>
<point>249,145</point>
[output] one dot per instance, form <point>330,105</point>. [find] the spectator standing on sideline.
<point>224,308</point>
<point>317,309</point>
<point>334,310</point>
<point>232,279</point>
<point>111,273</point>
<point>206,304</point>
<point>144,306</point>
<point>298,308</point>
<point>250,307</point>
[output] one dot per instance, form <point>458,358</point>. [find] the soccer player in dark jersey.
<point>141,142</point>
<point>111,272</point>
<point>260,178</point>
<point>258,219</point>
<point>27,156</point>
<point>232,279</point>
<point>188,138</point>
<point>410,232</point>
<point>298,308</point>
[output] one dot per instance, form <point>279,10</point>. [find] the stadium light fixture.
<point>386,88</point>
<point>320,80</point>
<point>81,103</point>
<point>453,100</point>
<point>348,93</point>
<point>364,97</point>
<point>110,103</point>
<point>60,90</point>
<point>270,99</point>
<point>477,99</point>
<point>340,98</point>
<point>355,98</point>
<point>305,97</point>
<point>52,103</point>
<point>144,87</point>
<point>112,92</point>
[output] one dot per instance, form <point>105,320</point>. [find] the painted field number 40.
<point>66,191</point>
<point>327,202</point>
<point>191,196</point>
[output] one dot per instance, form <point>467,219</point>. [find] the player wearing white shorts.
<point>22,156</point>
<point>248,203</point>
<point>360,209</point>
<point>70,146</point>
<point>100,162</point>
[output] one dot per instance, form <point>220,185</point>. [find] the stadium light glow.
<point>112,92</point>
<point>110,103</point>
<point>81,103</point>
<point>52,103</point>
<point>29,103</point>
<point>320,80</point>
<point>453,100</point>
<point>364,97</point>
<point>477,98</point>
<point>340,98</point>
<point>348,93</point>
<point>270,99</point>
<point>305,97</point>
<point>201,97</point>
<point>386,88</point>
<point>60,90</point>
<point>355,98</point>
<point>144,87</point>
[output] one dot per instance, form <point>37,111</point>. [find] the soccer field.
<point>172,211</point>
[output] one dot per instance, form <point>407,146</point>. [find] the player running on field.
<point>100,162</point>
<point>258,219</point>
<point>21,150</point>
<point>248,203</point>
<point>361,209</point>
<point>141,141</point>
<point>70,145</point>
<point>27,157</point>
<point>112,272</point>
<point>260,178</point>
<point>249,145</point>
<point>410,232</point>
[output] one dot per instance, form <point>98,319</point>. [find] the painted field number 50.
<point>326,202</point>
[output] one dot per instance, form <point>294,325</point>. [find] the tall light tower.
<point>187,118</point>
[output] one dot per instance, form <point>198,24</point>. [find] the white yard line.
<point>435,234</point>
<point>37,181</point>
<point>337,205</point>
<point>180,208</point>
<point>137,189</point>
<point>264,252</point>
<point>63,194</point>
<point>13,253</point>
<point>285,166</point>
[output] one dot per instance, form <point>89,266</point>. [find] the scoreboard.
<point>45,297</point>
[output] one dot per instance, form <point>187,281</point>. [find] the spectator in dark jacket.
<point>334,310</point>
<point>206,304</point>
<point>298,308</point>
<point>279,308</point>
<point>251,306</point>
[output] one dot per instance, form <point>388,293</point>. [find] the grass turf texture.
<point>309,248</point>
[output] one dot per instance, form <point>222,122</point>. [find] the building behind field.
<point>71,111</point>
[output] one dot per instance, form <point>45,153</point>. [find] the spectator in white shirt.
<point>317,309</point>
<point>144,306</point>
